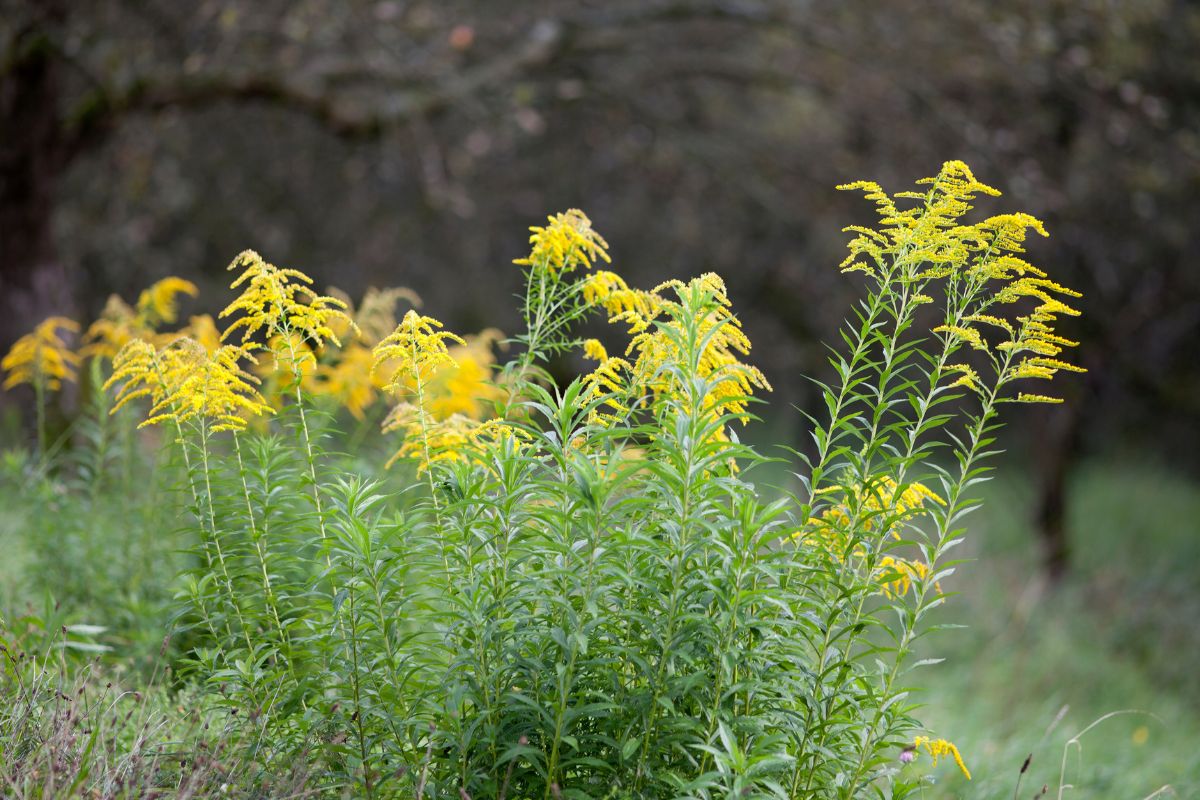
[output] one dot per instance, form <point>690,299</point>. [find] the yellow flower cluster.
<point>567,242</point>
<point>42,358</point>
<point>901,573</point>
<point>879,505</point>
<point>466,388</point>
<point>940,748</point>
<point>279,303</point>
<point>656,357</point>
<point>413,352</point>
<point>158,304</point>
<point>445,390</point>
<point>609,291</point>
<point>424,440</point>
<point>927,234</point>
<point>118,323</point>
<point>184,381</point>
<point>928,241</point>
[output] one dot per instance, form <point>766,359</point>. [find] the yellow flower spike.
<point>203,329</point>
<point>466,388</point>
<point>136,367</point>
<point>940,748</point>
<point>158,304</point>
<point>968,335</point>
<point>566,243</point>
<point>41,357</point>
<point>446,440</point>
<point>905,573</point>
<point>117,324</point>
<point>968,377</point>
<point>280,302</point>
<point>184,382</point>
<point>413,352</point>
<point>1037,398</point>
<point>592,349</point>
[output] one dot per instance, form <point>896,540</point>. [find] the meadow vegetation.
<point>336,549</point>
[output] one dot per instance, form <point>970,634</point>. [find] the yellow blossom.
<point>203,329</point>
<point>466,387</point>
<point>42,358</point>
<point>902,573</point>
<point>158,304</point>
<point>566,243</point>
<point>939,748</point>
<point>184,382</point>
<point>413,352</point>
<point>968,335</point>
<point>594,350</point>
<point>113,329</point>
<point>279,302</point>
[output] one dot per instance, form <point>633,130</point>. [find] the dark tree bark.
<point>34,152</point>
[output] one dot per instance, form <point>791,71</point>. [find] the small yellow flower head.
<point>139,371</point>
<point>940,748</point>
<point>595,351</point>
<point>566,243</point>
<point>610,292</point>
<point>158,304</point>
<point>425,440</point>
<point>116,326</point>
<point>414,352</point>
<point>901,574</point>
<point>970,336</point>
<point>724,342</point>
<point>42,358</point>
<point>184,382</point>
<point>279,302</point>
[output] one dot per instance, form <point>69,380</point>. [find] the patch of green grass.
<point>1037,665</point>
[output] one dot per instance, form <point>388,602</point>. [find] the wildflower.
<point>610,292</point>
<point>902,573</point>
<point>927,234</point>
<point>279,302</point>
<point>113,329</point>
<point>158,304</point>
<point>184,381</point>
<point>594,350</point>
<point>413,352</point>
<point>203,329</point>
<point>1023,397</point>
<point>427,440</point>
<point>730,382</point>
<point>939,748</point>
<point>566,243</point>
<point>376,314</point>
<point>41,358</point>
<point>968,377</point>
<point>879,508</point>
<point>968,335</point>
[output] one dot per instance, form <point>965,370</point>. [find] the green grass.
<point>1036,666</point>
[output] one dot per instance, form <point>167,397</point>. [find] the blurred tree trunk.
<point>1057,448</point>
<point>34,152</point>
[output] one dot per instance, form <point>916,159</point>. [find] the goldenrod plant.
<point>581,590</point>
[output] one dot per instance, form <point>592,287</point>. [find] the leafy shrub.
<point>580,590</point>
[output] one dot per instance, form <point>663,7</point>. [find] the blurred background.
<point>404,143</point>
